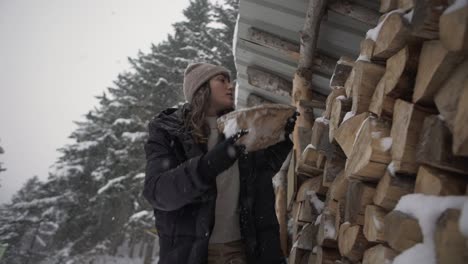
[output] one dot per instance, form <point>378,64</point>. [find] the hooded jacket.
<point>184,200</point>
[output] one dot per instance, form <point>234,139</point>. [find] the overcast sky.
<point>55,56</point>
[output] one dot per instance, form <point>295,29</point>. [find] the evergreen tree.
<point>1,163</point>
<point>92,202</point>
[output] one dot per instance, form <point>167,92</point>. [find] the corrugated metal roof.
<point>339,36</point>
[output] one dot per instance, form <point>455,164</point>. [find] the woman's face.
<point>222,94</point>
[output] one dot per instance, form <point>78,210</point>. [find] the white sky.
<point>55,56</point>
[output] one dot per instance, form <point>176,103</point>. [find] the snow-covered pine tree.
<point>30,221</point>
<point>91,207</point>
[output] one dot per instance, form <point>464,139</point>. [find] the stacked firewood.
<point>395,123</point>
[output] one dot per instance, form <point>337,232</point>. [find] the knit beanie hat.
<point>197,74</point>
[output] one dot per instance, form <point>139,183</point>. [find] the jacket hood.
<point>172,119</point>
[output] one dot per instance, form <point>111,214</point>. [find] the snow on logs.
<point>370,154</point>
<point>392,35</point>
<point>393,143</point>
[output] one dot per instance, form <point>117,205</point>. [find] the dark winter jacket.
<point>184,200</point>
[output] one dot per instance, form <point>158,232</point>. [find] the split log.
<point>435,64</point>
<point>450,244</point>
<point>292,182</point>
<point>310,155</point>
<point>382,105</point>
<point>339,216</point>
<point>320,136</point>
<point>391,188</point>
<point>432,181</point>
<point>327,235</point>
<point>435,145</point>
<point>355,11</point>
<point>306,238</point>
<point>397,83</point>
<point>393,36</point>
<point>393,84</point>
<point>268,81</point>
<point>407,122</point>
<point>318,131</point>
<point>425,20</point>
<point>341,73</point>
<point>307,214</point>
<point>321,159</point>
<point>327,255</point>
<point>333,208</point>
<point>296,224</point>
<point>374,223</point>
<point>367,46</point>
<point>331,100</point>
<point>405,4</point>
<point>307,163</point>
<point>448,97</point>
<point>351,242</point>
<point>308,186</point>
<point>453,26</point>
<point>401,231</point>
<point>460,130</point>
<point>388,5</point>
<point>280,183</point>
<point>358,196</point>
<point>349,83</point>
<point>346,133</point>
<point>339,187</point>
<point>339,109</point>
<point>265,123</point>
<point>296,255</point>
<point>366,78</point>
<point>379,254</point>
<point>305,157</point>
<point>371,151</point>
<point>333,166</point>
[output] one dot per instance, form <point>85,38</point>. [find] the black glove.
<point>290,124</point>
<point>222,156</point>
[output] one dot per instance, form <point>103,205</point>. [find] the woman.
<point>213,203</point>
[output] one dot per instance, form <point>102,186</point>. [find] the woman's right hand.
<point>222,156</point>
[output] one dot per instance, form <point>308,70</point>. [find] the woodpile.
<point>395,124</point>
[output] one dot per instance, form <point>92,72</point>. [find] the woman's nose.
<point>232,85</point>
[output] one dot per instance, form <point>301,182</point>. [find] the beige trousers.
<point>227,253</point>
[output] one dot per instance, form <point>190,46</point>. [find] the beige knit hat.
<point>197,74</point>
